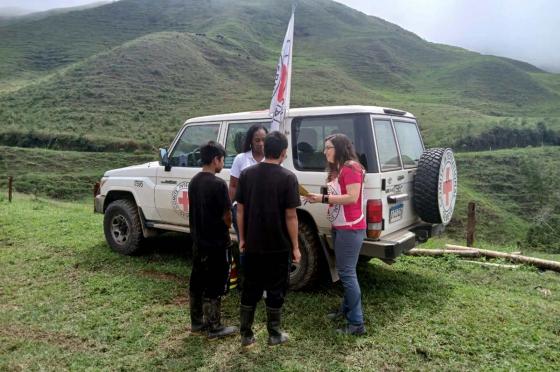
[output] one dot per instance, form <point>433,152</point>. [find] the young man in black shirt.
<point>267,197</point>
<point>209,220</point>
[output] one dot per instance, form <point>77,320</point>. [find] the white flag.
<point>280,102</point>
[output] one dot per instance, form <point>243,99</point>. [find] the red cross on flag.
<point>280,102</point>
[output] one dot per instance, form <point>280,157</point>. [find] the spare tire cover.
<point>435,186</point>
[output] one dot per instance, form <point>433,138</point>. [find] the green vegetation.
<point>137,69</point>
<point>60,174</point>
<point>68,302</point>
<point>516,194</point>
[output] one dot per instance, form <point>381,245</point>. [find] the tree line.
<point>501,137</point>
<point>70,142</point>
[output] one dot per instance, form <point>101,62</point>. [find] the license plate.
<point>395,213</point>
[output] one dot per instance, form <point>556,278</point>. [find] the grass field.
<point>69,302</point>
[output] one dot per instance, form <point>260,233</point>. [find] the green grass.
<point>69,302</point>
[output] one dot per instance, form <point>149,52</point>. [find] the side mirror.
<point>164,158</point>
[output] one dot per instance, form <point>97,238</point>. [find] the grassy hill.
<point>139,68</point>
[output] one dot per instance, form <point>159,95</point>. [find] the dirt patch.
<point>64,341</point>
<point>163,276</point>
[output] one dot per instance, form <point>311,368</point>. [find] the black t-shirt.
<point>208,201</point>
<point>266,191</point>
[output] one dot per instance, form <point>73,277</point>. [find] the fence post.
<point>471,223</point>
<point>96,188</point>
<point>10,184</point>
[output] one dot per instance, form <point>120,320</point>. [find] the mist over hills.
<point>138,68</point>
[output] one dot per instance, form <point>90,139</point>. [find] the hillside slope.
<point>141,67</point>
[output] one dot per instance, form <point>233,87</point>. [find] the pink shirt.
<point>351,174</point>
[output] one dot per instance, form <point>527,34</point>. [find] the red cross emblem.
<point>447,185</point>
<point>282,85</point>
<point>184,200</point>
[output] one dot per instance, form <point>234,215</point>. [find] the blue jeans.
<point>347,246</point>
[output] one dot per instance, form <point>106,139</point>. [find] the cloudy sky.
<point>528,30</point>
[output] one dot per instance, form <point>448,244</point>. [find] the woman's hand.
<point>314,198</point>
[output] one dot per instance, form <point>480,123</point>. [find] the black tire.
<point>428,201</point>
<point>306,273</point>
<point>122,227</point>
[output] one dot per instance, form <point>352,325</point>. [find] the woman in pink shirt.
<point>345,187</point>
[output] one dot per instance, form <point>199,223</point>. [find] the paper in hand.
<point>302,191</point>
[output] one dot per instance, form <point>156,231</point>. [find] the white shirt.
<point>242,161</point>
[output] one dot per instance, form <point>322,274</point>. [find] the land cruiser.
<point>409,192</point>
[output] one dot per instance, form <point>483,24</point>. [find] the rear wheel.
<point>306,272</point>
<point>122,227</point>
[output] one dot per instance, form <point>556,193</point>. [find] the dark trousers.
<point>268,272</point>
<point>210,273</point>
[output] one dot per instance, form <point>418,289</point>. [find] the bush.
<point>544,235</point>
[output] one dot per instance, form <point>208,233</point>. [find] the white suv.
<point>409,192</point>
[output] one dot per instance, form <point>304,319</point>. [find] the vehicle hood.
<point>140,170</point>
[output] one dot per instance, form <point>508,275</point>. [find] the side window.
<point>309,133</point>
<point>386,145</point>
<point>409,143</point>
<point>186,152</point>
<point>235,139</point>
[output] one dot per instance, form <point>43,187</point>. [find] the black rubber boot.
<point>198,325</point>
<point>273,321</point>
<point>246,316</point>
<point>212,311</point>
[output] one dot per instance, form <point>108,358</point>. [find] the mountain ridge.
<point>99,68</point>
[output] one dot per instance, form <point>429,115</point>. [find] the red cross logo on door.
<point>184,200</point>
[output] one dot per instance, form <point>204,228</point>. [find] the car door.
<point>171,191</point>
<point>410,146</point>
<point>396,181</point>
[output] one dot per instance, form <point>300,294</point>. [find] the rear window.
<point>309,133</point>
<point>386,145</point>
<point>410,143</point>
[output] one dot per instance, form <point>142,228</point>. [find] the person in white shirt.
<point>253,153</point>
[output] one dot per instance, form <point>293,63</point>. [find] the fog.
<point>528,30</point>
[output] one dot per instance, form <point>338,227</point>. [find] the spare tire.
<point>435,186</point>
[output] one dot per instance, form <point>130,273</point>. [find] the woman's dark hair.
<point>344,152</point>
<point>249,136</point>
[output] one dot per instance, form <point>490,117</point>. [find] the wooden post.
<point>96,188</point>
<point>10,184</point>
<point>471,223</point>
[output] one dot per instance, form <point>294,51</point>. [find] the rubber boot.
<point>273,321</point>
<point>246,316</point>
<point>198,325</point>
<point>212,311</point>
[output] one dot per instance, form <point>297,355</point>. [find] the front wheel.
<point>122,227</point>
<point>306,272</point>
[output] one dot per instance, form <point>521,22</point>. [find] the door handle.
<point>170,182</point>
<point>392,199</point>
<point>400,178</point>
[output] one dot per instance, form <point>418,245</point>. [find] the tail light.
<point>374,218</point>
